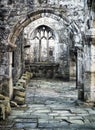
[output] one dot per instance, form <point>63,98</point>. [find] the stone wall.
<point>18,61</point>
<point>14,11</point>
<point>61,41</point>
<point>75,19</point>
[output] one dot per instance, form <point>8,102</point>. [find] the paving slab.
<point>51,105</point>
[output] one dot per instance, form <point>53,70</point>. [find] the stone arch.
<point>32,16</point>
<point>36,15</point>
<point>40,24</point>
<point>29,30</point>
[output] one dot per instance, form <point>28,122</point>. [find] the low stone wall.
<point>48,70</point>
<point>19,89</point>
<point>18,96</point>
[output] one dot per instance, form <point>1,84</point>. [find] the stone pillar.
<point>72,66</point>
<point>64,61</point>
<point>10,76</point>
<point>79,74</point>
<point>79,64</point>
<point>72,70</point>
<point>89,79</point>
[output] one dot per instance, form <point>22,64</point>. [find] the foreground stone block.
<point>2,111</point>
<point>5,108</point>
<point>26,75</point>
<point>13,104</point>
<point>2,97</point>
<point>23,82</point>
<point>29,74</point>
<point>19,100</point>
<point>20,94</point>
<point>25,78</point>
<point>18,91</point>
<point>19,88</point>
<point>19,84</point>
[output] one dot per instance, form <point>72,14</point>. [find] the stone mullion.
<point>47,46</point>
<point>40,46</point>
<point>39,50</point>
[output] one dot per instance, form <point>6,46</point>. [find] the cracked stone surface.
<point>51,105</point>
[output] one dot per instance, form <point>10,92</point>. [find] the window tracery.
<point>45,46</point>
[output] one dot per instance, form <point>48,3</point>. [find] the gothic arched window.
<point>43,44</point>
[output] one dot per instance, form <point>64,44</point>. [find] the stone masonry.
<point>58,38</point>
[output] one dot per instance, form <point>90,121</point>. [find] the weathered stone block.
<point>5,108</point>
<point>26,75</point>
<point>21,89</point>
<point>20,94</point>
<point>21,81</point>
<point>2,97</point>
<point>25,78</point>
<point>19,84</point>
<point>29,74</point>
<point>17,90</point>
<point>19,100</point>
<point>2,111</point>
<point>13,104</point>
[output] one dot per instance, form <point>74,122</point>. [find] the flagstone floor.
<point>51,105</point>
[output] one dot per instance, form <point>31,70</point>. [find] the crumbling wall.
<point>12,11</point>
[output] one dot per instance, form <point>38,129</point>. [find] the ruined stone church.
<point>47,64</point>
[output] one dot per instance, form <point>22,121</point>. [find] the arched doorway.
<point>68,28</point>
